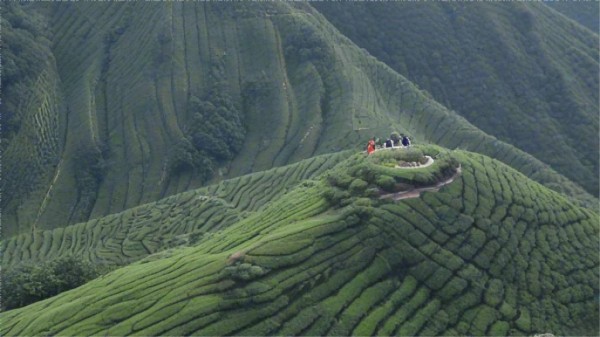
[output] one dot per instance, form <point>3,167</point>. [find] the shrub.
<point>452,288</point>
<point>214,134</point>
<point>524,320</point>
<point>244,271</point>
<point>499,328</point>
<point>339,179</point>
<point>386,182</point>
<point>29,283</point>
<point>89,169</point>
<point>335,196</point>
<point>184,156</point>
<point>395,137</point>
<point>358,186</point>
<point>494,293</point>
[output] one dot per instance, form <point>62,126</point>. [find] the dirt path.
<point>429,162</point>
<point>47,197</point>
<point>416,192</point>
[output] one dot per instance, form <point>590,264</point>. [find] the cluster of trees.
<point>25,51</point>
<point>28,283</point>
<point>184,157</point>
<point>305,44</point>
<point>89,171</point>
<point>217,127</point>
<point>215,134</point>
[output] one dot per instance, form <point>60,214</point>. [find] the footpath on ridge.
<point>416,192</point>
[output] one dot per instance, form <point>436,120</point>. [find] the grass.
<point>302,265</point>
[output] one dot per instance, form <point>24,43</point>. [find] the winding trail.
<point>416,192</point>
<point>429,162</point>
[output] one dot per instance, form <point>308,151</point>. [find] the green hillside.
<point>184,218</point>
<point>482,251</point>
<point>139,101</point>
<point>519,71</point>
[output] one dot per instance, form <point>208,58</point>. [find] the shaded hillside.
<point>491,253</point>
<point>153,99</point>
<point>585,13</point>
<point>32,115</point>
<point>519,71</point>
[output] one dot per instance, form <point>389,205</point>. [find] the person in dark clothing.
<point>405,141</point>
<point>388,143</point>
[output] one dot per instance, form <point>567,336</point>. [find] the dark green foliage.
<point>306,44</point>
<point>337,196</point>
<point>452,288</point>
<point>523,322</point>
<point>339,179</point>
<point>485,317</point>
<point>28,283</point>
<point>216,126</point>
<point>185,156</point>
<point>215,134</point>
<point>24,55</point>
<point>357,186</point>
<point>90,169</point>
<point>386,183</point>
<point>395,137</point>
<point>494,293</point>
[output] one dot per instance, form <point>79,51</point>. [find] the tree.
<point>28,283</point>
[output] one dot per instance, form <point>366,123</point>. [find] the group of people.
<point>395,140</point>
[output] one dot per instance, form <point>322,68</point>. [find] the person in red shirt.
<point>371,146</point>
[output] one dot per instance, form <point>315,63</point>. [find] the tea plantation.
<point>491,253</point>
<point>180,219</point>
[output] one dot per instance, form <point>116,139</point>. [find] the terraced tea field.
<point>492,253</point>
<point>173,221</point>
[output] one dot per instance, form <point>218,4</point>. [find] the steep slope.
<point>584,12</point>
<point>154,99</point>
<point>31,114</point>
<point>490,253</point>
<point>519,71</point>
